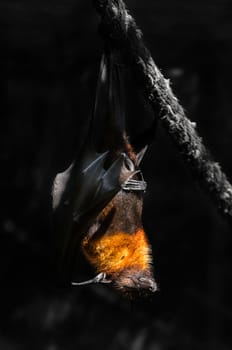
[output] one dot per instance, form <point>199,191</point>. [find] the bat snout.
<point>136,283</point>
<point>148,283</point>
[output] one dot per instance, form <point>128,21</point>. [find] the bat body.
<point>98,200</point>
<point>117,246</point>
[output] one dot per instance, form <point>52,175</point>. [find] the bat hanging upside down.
<point>98,200</point>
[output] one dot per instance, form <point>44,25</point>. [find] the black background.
<point>50,52</point>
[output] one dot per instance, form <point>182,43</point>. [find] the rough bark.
<point>119,29</point>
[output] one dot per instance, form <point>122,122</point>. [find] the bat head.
<point>133,282</point>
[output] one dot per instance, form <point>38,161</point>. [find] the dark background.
<point>49,57</point>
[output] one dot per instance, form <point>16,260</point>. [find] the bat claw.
<point>100,278</point>
<point>134,185</point>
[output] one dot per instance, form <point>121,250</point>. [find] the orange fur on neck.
<point>120,250</point>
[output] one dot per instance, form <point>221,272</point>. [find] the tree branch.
<point>119,29</point>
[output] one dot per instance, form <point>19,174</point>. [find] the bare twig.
<point>119,29</point>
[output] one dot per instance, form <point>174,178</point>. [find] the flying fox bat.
<point>98,200</point>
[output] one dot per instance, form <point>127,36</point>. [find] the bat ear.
<point>140,155</point>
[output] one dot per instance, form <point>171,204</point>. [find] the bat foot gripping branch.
<point>100,278</point>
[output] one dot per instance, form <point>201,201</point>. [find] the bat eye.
<point>129,164</point>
